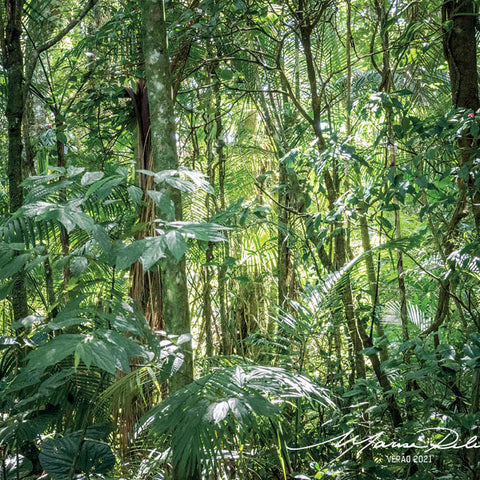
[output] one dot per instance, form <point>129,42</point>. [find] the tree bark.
<point>459,46</point>
<point>222,271</point>
<point>14,65</point>
<point>460,49</point>
<point>305,27</point>
<point>145,290</point>
<point>61,162</point>
<point>209,254</point>
<point>157,69</point>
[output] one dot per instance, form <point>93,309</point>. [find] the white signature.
<point>449,441</point>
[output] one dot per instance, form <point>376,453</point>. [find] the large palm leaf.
<point>220,411</point>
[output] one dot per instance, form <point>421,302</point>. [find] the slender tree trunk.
<point>29,133</point>
<point>14,64</point>
<point>209,255</point>
<point>283,257</point>
<point>222,271</point>
<point>284,254</point>
<point>157,68</point>
<point>367,246</point>
<point>460,50</point>
<point>332,188</point>
<point>360,339</point>
<point>61,162</point>
<point>174,295</point>
<point>146,288</point>
<point>207,300</point>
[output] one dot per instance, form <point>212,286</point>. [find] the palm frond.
<point>216,412</point>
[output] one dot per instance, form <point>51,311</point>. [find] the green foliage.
<point>74,453</point>
<point>320,153</point>
<point>219,410</point>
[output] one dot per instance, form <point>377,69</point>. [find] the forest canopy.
<point>239,239</point>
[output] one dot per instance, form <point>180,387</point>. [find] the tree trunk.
<point>157,69</point>
<point>332,187</point>
<point>283,258</point>
<point>61,162</point>
<point>14,113</point>
<point>209,255</point>
<point>459,46</point>
<point>460,50</point>
<point>356,328</point>
<point>222,271</point>
<point>146,288</point>
<point>284,254</point>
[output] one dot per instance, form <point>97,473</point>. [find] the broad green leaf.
<point>53,382</point>
<point>91,177</point>
<point>176,244</point>
<point>116,339</point>
<point>154,251</point>
<point>135,193</point>
<point>207,232</point>
<point>61,455</point>
<point>103,187</point>
<point>163,202</point>
<point>109,351</point>
<point>74,171</point>
<point>78,265</point>
<point>26,378</point>
<point>16,468</point>
<point>14,266</point>
<point>94,351</point>
<point>102,238</point>
<point>55,350</point>
<point>126,255</point>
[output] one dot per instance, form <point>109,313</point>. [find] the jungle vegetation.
<point>233,232</point>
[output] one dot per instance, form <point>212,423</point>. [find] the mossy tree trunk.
<point>14,64</point>
<point>157,69</point>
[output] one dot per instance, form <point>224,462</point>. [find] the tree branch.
<point>57,38</point>
<point>73,23</point>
